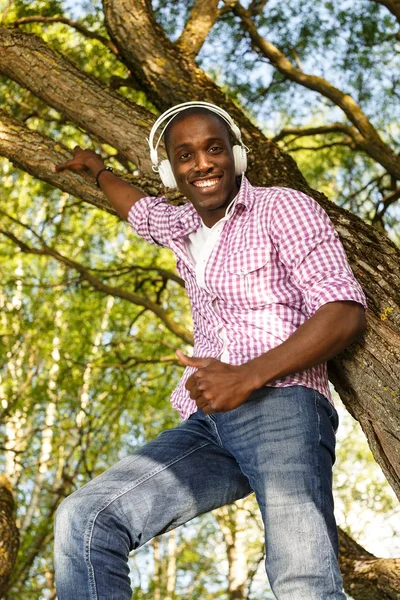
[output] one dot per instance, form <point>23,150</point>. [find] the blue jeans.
<point>279,444</point>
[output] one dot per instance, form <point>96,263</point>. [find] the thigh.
<point>179,475</point>
<point>284,443</point>
<point>182,473</point>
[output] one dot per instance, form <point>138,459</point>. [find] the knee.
<point>71,520</point>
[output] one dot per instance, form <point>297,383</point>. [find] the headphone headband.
<point>164,168</point>
<point>175,110</point>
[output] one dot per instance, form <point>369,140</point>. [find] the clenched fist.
<point>217,386</point>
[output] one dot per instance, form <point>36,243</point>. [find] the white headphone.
<point>164,168</point>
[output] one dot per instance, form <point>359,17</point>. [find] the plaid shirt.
<point>278,259</point>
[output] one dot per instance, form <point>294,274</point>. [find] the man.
<point>273,299</point>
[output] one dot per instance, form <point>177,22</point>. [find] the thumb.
<point>188,361</point>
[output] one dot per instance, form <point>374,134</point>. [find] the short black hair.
<point>196,110</point>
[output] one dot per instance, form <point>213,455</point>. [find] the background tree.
<point>77,365</point>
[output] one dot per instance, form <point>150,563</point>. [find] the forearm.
<point>121,195</point>
<point>331,329</point>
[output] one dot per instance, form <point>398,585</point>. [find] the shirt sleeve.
<point>311,250</point>
<point>153,219</point>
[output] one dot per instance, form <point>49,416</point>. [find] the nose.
<point>203,162</point>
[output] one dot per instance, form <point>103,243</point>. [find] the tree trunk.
<point>46,445</point>
<point>169,77</point>
<point>9,536</point>
<point>170,571</point>
<point>157,568</point>
<point>232,521</point>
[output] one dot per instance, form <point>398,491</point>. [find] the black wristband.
<point>99,173</point>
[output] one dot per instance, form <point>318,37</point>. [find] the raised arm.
<point>121,195</point>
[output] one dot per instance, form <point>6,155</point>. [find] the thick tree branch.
<point>392,5</point>
<point>74,24</point>
<point>202,17</point>
<point>365,576</point>
<point>369,139</point>
<point>96,283</point>
<point>31,63</point>
<point>37,154</point>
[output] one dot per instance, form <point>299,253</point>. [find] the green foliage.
<point>132,371</point>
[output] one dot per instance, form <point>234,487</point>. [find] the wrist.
<point>99,172</point>
<point>95,164</point>
<point>252,375</point>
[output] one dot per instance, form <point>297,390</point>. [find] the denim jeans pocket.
<point>330,411</point>
<point>334,419</point>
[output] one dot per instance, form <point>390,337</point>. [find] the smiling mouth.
<point>206,183</point>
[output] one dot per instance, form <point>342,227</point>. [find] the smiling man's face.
<point>202,161</point>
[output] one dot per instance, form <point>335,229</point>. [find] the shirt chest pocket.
<point>249,272</point>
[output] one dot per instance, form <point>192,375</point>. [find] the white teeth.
<point>206,182</point>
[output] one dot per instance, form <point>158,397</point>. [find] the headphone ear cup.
<point>166,174</point>
<point>240,158</point>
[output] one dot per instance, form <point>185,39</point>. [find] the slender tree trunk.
<point>87,374</point>
<point>171,566</point>
<point>157,568</point>
<point>232,521</point>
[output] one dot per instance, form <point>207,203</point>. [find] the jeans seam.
<point>106,504</point>
<point>215,426</point>
<point>321,499</point>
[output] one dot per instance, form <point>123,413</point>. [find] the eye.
<point>184,156</point>
<point>216,149</point>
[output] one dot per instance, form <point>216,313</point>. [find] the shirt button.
<point>243,269</point>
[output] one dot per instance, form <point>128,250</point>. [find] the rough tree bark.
<point>366,576</point>
<point>9,536</point>
<point>366,375</point>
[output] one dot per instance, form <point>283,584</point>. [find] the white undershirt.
<point>199,245</point>
<point>196,241</point>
